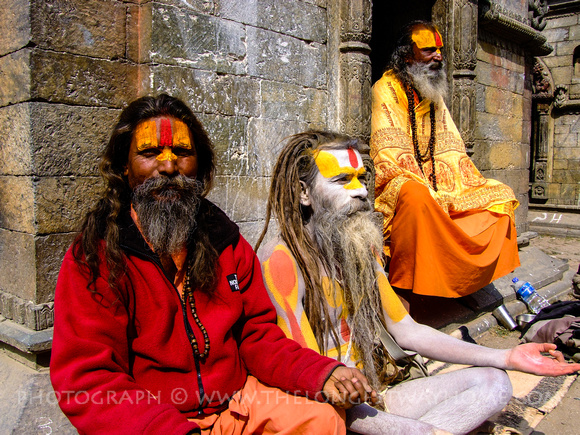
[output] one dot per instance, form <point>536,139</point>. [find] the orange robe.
<point>447,243</point>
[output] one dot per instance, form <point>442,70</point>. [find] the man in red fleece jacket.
<point>162,321</point>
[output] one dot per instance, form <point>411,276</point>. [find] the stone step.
<point>547,274</point>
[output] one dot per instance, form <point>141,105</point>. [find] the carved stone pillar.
<point>350,72</point>
<point>542,97</point>
<point>350,67</point>
<point>457,20</point>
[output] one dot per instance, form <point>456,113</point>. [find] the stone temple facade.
<point>555,148</point>
<point>254,71</point>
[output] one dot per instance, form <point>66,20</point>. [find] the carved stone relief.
<point>458,19</point>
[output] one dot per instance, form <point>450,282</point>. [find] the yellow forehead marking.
<point>181,136</point>
<point>424,38</point>
<point>329,167</point>
<point>146,135</point>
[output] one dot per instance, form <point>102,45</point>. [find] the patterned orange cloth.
<point>462,190</point>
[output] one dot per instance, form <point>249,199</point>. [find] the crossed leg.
<point>457,402</point>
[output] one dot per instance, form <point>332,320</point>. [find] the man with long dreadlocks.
<point>447,230</point>
<point>162,322</point>
<point>325,277</point>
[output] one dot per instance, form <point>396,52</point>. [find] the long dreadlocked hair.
<point>296,164</point>
<point>101,223</point>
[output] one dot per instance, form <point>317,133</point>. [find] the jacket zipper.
<point>187,325</point>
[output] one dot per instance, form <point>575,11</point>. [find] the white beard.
<point>430,83</point>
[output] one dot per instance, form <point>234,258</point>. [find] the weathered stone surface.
<point>520,8</point>
<point>570,153</point>
<point>65,78</point>
<point>555,22</point>
<point>53,139</point>
<point>559,164</point>
<point>93,28</point>
<point>186,38</point>
<point>68,140</point>
<point>243,199</point>
<point>139,33</point>
<point>554,61</point>
<point>205,6</point>
<point>62,202</point>
<point>500,57</point>
<point>15,139</point>
<point>285,59</point>
<point>570,192</point>
<point>229,136</point>
<point>504,103</point>
<point>298,19</point>
<point>29,403</point>
<point>293,103</point>
<point>15,77</point>
<point>14,25</point>
<point>574,89</point>
<point>568,176</point>
<point>208,92</point>
<point>265,139</point>
<point>495,76</point>
<point>506,155</point>
<point>561,75</point>
<point>50,250</point>
<point>565,48</point>
<point>556,34</point>
<point>17,203</point>
<point>18,266</point>
<point>251,230</point>
<point>495,128</point>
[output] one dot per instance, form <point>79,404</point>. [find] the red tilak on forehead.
<point>165,137</point>
<point>352,158</point>
<point>438,41</point>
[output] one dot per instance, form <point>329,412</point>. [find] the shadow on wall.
<point>388,18</point>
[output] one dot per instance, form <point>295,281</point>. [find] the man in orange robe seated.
<point>448,231</point>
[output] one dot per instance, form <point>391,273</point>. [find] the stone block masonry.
<point>254,71</point>
<point>563,156</point>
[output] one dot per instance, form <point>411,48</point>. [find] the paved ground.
<point>565,418</point>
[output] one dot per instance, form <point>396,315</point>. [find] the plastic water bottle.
<point>530,296</point>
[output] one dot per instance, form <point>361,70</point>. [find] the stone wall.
<point>503,125</point>
<point>254,71</point>
<point>559,179</point>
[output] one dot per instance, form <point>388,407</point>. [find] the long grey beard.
<point>431,83</point>
<point>346,240</point>
<point>167,210</point>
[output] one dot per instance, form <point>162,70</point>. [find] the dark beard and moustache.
<point>348,239</point>
<point>167,211</point>
<point>429,79</point>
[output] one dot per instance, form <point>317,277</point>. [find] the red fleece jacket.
<point>122,361</point>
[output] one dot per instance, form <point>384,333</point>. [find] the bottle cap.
<point>515,280</point>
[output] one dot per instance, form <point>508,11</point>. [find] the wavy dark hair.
<point>404,51</point>
<point>101,223</point>
<point>296,164</point>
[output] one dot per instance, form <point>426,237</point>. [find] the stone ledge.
<point>23,338</point>
<point>35,317</point>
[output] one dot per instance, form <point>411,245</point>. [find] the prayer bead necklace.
<point>188,291</point>
<point>430,152</point>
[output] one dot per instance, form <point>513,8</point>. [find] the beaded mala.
<point>188,292</point>
<point>430,152</point>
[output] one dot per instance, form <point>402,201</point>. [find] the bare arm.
<point>436,345</point>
